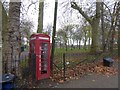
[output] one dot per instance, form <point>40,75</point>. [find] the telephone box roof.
<point>39,34</point>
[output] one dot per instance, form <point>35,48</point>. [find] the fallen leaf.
<point>61,81</point>
<point>50,85</point>
<point>77,78</point>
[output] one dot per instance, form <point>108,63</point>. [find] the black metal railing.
<point>70,60</point>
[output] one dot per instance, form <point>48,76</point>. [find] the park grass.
<point>85,55</point>
<point>59,51</point>
<point>58,59</point>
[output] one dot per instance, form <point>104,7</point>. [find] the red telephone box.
<point>40,56</point>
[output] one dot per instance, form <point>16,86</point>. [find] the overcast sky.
<point>64,16</point>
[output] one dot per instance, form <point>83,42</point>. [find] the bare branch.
<point>108,9</point>
<point>75,6</point>
<point>31,5</point>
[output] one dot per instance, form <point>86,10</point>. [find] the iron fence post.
<point>64,66</point>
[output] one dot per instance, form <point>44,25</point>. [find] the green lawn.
<point>83,54</point>
<point>58,60</point>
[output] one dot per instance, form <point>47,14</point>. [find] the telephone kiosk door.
<point>44,59</point>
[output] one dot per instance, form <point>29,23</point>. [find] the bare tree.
<point>94,22</point>
<point>113,21</point>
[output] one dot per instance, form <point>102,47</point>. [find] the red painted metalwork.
<point>40,47</point>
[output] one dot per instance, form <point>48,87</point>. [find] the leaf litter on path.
<point>82,69</point>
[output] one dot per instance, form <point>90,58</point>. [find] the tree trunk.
<point>89,39</point>
<point>102,26</point>
<point>94,45</point>
<point>68,43</point>
<point>65,42</point>
<point>40,16</point>
<point>53,35</point>
<point>119,38</point>
<point>79,43</point>
<point>73,44</point>
<point>66,46</point>
<point>5,37</point>
<point>60,44</point>
<point>95,26</point>
<point>1,70</point>
<point>112,38</point>
<point>13,51</point>
<point>85,39</point>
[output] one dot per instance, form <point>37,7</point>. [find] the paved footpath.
<point>92,81</point>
